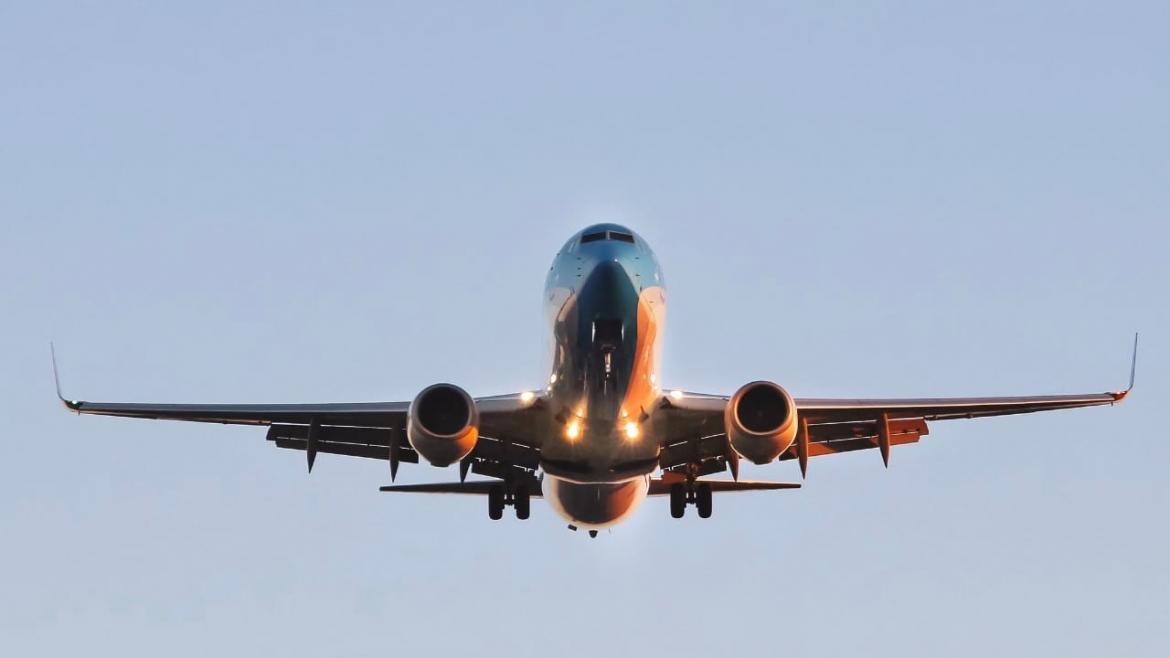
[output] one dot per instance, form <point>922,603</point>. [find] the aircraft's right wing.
<point>358,414</point>
<point>508,446</point>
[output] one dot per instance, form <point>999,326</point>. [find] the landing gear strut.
<point>499,497</point>
<point>683,493</point>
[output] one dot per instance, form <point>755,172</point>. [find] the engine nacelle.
<point>761,421</point>
<point>442,424</point>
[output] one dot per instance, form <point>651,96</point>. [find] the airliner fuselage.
<point>605,300</point>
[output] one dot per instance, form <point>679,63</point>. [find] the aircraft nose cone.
<point>609,268</point>
<point>608,276</point>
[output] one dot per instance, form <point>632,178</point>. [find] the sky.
<point>316,202</point>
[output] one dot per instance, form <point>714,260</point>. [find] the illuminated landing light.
<point>676,395</point>
<point>527,397</point>
<point>632,431</point>
<point>552,378</point>
<point>653,379</point>
<point>573,430</point>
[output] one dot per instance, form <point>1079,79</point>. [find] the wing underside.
<point>696,442</point>
<point>373,430</point>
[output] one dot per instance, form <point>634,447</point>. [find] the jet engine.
<point>442,424</point>
<point>761,421</point>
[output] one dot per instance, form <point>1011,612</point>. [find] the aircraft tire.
<point>496,503</point>
<point>678,500</point>
<point>703,500</point>
<point>521,502</point>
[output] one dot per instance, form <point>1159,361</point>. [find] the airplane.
<point>602,434</point>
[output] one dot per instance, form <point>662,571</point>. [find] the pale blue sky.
<point>294,202</point>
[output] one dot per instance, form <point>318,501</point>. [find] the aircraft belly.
<point>595,505</point>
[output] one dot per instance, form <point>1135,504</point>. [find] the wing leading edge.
<point>359,414</point>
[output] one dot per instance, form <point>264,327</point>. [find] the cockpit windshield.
<point>607,235</point>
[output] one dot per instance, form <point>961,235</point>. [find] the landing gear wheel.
<point>703,500</point>
<point>678,500</point>
<point>521,501</point>
<point>496,503</point>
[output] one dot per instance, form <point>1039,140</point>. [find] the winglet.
<point>72,405</point>
<point>1120,395</point>
<point>1133,363</point>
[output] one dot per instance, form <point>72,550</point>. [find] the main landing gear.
<point>499,497</point>
<point>682,493</point>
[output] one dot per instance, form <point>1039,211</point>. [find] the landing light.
<point>676,395</point>
<point>527,396</point>
<point>573,430</point>
<point>632,430</point>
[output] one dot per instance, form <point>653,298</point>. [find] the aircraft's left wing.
<point>829,426</point>
<point>834,426</point>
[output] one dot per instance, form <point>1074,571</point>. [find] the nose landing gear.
<point>682,494</point>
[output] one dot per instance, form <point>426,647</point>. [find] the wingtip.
<point>1118,396</point>
<point>1133,362</point>
<point>56,377</point>
<point>71,405</point>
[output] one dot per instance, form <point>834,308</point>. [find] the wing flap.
<point>359,435</point>
<point>695,450</point>
<point>348,449</point>
<point>869,428</point>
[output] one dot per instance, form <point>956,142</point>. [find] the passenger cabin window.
<point>607,235</point>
